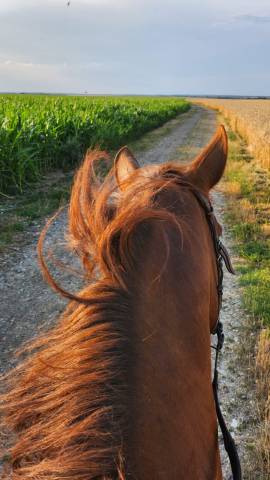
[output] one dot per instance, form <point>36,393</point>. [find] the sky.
<point>219,47</point>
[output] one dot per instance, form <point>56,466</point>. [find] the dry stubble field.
<point>251,119</point>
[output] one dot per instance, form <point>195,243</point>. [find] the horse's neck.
<point>173,424</point>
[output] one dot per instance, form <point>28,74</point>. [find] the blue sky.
<point>136,46</point>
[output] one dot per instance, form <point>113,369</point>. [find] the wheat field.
<point>251,119</point>
<point>247,188</point>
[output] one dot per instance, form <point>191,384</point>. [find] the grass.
<point>257,292</point>
<point>247,186</point>
<point>22,211</point>
<point>249,208</point>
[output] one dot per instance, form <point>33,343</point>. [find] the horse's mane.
<point>65,405</point>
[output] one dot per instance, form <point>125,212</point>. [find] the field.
<point>247,185</point>
<point>40,133</point>
<point>249,118</point>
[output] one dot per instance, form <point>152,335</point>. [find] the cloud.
<point>131,46</point>
<point>31,77</point>
<point>253,18</point>
<point>82,66</point>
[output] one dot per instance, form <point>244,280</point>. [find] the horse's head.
<point>175,191</point>
<point>113,222</point>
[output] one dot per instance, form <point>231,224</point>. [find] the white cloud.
<point>34,77</point>
<point>253,18</point>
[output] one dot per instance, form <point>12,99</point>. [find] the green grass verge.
<point>248,189</point>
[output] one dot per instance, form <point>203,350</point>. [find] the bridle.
<point>221,255</point>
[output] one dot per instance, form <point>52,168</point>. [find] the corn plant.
<point>39,133</point>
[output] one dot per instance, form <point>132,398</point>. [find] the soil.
<point>28,305</point>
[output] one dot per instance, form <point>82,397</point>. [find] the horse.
<point>120,388</point>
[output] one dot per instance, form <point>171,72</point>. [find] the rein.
<point>221,255</point>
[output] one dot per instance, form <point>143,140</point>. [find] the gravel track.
<point>28,304</point>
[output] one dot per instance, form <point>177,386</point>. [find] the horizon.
<point>180,95</point>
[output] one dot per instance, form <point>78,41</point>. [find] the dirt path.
<point>28,304</point>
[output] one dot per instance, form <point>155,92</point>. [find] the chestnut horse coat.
<point>121,387</point>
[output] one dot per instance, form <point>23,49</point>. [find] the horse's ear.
<point>207,169</point>
<point>124,165</point>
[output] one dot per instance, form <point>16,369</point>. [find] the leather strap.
<point>228,440</point>
<point>221,255</point>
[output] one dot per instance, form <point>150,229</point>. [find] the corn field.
<point>40,133</point>
<point>249,118</point>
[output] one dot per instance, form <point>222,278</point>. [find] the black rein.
<point>221,255</point>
